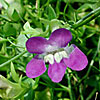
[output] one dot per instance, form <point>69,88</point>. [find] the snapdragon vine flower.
<point>55,51</point>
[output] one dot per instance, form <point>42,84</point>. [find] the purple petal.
<point>36,45</point>
<point>60,37</point>
<point>35,68</point>
<point>56,71</point>
<point>77,60</point>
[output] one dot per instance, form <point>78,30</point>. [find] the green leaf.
<point>96,5</point>
<point>13,73</point>
<point>36,83</point>
<point>29,30</point>
<point>15,15</point>
<point>51,13</point>
<point>44,21</point>
<point>5,17</point>
<point>21,41</point>
<point>15,11</point>
<point>30,95</point>
<point>84,7</point>
<point>94,81</point>
<point>54,24</point>
<point>26,26</point>
<point>4,4</point>
<point>3,59</point>
<point>29,81</point>
<point>9,30</point>
<point>9,90</point>
<point>43,95</point>
<point>71,14</point>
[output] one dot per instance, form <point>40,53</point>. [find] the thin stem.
<point>3,40</point>
<point>64,87</point>
<point>99,52</point>
<point>43,34</point>
<point>91,63</point>
<point>57,8</point>
<point>96,69</point>
<point>43,83</point>
<point>91,94</point>
<point>69,86</point>
<point>87,18</point>
<point>26,36</point>
<point>38,7</point>
<point>59,89</point>
<point>31,14</point>
<point>12,59</point>
<point>80,90</point>
<point>52,93</point>
<point>46,4</point>
<point>64,15</point>
<point>96,95</point>
<point>35,15</point>
<point>14,44</point>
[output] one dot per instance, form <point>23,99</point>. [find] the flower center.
<point>57,56</point>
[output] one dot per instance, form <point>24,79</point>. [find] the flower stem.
<point>91,94</point>
<point>43,34</point>
<point>80,90</point>
<point>91,63</point>
<point>12,59</point>
<point>65,10</point>
<point>69,86</point>
<point>99,51</point>
<point>87,18</point>
<point>38,7</point>
<point>3,40</point>
<point>64,87</point>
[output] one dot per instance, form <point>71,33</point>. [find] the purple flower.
<point>55,51</point>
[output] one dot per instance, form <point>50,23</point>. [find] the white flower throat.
<point>58,56</point>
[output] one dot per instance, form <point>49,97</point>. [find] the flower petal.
<point>60,37</point>
<point>77,60</point>
<point>56,71</point>
<point>35,68</point>
<point>36,45</point>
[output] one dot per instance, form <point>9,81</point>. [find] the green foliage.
<point>9,30</point>
<point>15,11</point>
<point>4,4</point>
<point>8,89</point>
<point>44,95</point>
<point>23,19</point>
<point>30,95</point>
<point>51,13</point>
<point>21,41</point>
<point>94,81</point>
<point>29,30</point>
<point>13,73</point>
